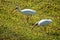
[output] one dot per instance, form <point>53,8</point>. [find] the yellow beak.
<point>34,26</point>
<point>13,10</point>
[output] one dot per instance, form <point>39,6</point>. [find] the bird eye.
<point>16,8</point>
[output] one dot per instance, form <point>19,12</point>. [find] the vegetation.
<point>13,26</point>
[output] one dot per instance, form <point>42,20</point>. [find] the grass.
<point>13,26</point>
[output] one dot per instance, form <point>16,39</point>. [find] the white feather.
<point>44,22</point>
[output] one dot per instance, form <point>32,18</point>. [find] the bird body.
<point>42,22</point>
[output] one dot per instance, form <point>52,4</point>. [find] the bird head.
<point>36,24</point>
<point>16,8</point>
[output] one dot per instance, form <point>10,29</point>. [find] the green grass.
<point>13,26</point>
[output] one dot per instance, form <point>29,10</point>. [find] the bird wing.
<point>45,22</point>
<point>28,11</point>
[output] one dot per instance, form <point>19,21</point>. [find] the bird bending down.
<point>43,22</point>
<point>27,12</point>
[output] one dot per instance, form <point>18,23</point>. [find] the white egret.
<point>26,11</point>
<point>43,22</point>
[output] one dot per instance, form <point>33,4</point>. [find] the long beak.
<point>13,10</point>
<point>34,26</point>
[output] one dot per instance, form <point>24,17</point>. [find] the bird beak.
<point>13,10</point>
<point>34,25</point>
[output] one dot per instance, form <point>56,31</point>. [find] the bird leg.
<point>44,29</point>
<point>27,18</point>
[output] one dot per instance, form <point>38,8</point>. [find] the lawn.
<point>13,26</point>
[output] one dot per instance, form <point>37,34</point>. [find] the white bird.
<point>43,22</point>
<point>26,11</point>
